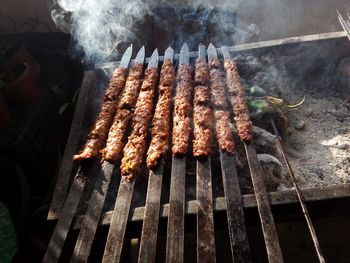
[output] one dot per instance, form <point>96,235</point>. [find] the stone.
<point>299,125</point>
<point>308,112</point>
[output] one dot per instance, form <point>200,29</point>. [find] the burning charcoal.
<point>264,140</point>
<point>273,170</point>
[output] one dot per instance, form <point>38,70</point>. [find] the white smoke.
<point>100,28</point>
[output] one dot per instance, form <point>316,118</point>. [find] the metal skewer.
<point>151,218</point>
<point>176,218</point>
<point>97,200</point>
<point>116,233</point>
<point>64,222</point>
<point>345,23</point>
<point>205,216</point>
<point>234,209</point>
<point>273,248</point>
<point>71,204</point>
<point>235,217</point>
<point>300,196</point>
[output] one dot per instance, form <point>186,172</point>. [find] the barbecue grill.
<point>336,47</point>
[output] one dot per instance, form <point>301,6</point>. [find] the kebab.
<point>182,110</point>
<point>244,130</point>
<point>98,134</point>
<point>240,108</point>
<point>223,125</point>
<point>202,147</point>
<point>202,113</point>
<point>161,118</point>
<point>117,132</point>
<point>136,145</point>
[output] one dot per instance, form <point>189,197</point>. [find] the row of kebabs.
<point>135,105</point>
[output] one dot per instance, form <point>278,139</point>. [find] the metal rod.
<point>64,222</point>
<point>116,233</point>
<point>151,218</point>
<point>234,209</point>
<point>205,215</point>
<point>273,248</point>
<point>300,197</point>
<point>176,219</point>
<point>93,214</point>
<point>64,175</point>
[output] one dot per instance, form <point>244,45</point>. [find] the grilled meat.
<point>132,86</point>
<point>182,110</point>
<point>240,108</point>
<point>201,72</point>
<point>136,145</point>
<point>98,134</point>
<point>223,125</point>
<point>217,87</point>
<point>224,130</point>
<point>214,63</point>
<point>116,135</point>
<point>161,118</point>
<point>202,113</point>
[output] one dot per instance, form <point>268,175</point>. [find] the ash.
<point>319,152</point>
<point>319,147</point>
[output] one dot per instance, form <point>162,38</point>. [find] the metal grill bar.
<point>117,229</point>
<point>205,213</point>
<point>234,209</point>
<point>273,248</point>
<point>150,222</point>
<point>176,220</point>
<point>93,214</point>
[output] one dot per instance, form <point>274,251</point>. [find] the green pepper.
<point>255,91</point>
<point>259,108</point>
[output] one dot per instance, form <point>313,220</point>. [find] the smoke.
<point>102,29</point>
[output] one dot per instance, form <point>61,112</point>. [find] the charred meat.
<point>161,119</point>
<point>98,134</point>
<point>240,108</point>
<point>182,110</point>
<point>202,113</point>
<point>136,145</point>
<point>116,135</point>
<point>223,125</point>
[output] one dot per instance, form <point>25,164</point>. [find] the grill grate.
<point>230,190</point>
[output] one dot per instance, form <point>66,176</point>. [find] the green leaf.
<point>8,240</point>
